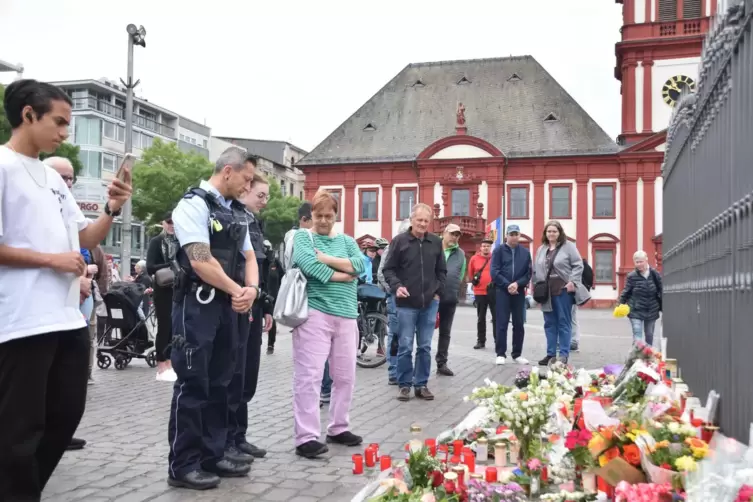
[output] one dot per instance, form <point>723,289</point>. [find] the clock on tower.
<point>674,87</point>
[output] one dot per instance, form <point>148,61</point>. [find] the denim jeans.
<point>326,381</point>
<point>418,324</point>
<point>641,327</point>
<point>392,326</point>
<point>87,307</point>
<point>558,324</point>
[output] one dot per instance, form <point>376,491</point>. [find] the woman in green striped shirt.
<point>332,263</point>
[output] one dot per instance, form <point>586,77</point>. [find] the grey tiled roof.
<point>509,114</point>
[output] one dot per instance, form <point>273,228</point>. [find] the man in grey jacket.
<point>391,311</point>
<point>448,301</point>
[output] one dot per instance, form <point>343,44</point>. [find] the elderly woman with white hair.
<point>643,294</point>
<point>391,311</point>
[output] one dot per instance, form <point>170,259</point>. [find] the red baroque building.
<point>467,137</point>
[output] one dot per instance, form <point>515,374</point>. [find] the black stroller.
<point>125,335</point>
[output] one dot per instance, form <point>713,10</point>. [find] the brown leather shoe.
<point>403,394</point>
<point>424,393</point>
<point>444,370</point>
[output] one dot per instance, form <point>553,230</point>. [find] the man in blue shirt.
<point>218,284</point>
<point>511,272</point>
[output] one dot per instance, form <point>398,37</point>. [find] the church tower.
<point>657,56</point>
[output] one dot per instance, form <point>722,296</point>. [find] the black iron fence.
<point>708,224</point>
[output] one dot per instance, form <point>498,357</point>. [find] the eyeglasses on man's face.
<point>69,179</point>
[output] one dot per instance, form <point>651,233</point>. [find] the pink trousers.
<point>323,337</point>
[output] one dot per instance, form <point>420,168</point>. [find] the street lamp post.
<point>135,37</point>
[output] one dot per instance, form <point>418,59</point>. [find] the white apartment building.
<point>98,129</point>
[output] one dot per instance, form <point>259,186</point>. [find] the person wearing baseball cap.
<point>448,300</point>
<point>511,272</point>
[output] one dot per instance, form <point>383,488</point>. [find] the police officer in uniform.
<point>214,291</point>
<point>243,385</point>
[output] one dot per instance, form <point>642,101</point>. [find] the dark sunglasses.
<point>72,179</point>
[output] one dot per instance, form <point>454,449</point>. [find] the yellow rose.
<point>686,464</point>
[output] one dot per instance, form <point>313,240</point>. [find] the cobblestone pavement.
<point>126,416</point>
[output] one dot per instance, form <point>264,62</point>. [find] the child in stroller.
<point>126,335</point>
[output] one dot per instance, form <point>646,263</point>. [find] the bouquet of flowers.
<point>640,352</point>
<point>566,496</point>
<point>677,457</point>
<point>577,444</point>
<point>480,491</point>
<point>648,492</point>
<point>526,412</point>
<point>745,494</point>
<point>608,443</point>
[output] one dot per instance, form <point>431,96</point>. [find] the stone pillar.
<point>648,97</point>
<point>628,93</point>
<point>387,208</point>
<point>349,209</point>
<point>628,223</point>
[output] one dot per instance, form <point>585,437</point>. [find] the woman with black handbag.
<point>160,257</point>
<point>557,286</point>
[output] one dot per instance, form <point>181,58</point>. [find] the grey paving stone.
<point>125,423</point>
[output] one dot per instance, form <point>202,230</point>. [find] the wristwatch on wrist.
<point>111,213</point>
<point>254,286</point>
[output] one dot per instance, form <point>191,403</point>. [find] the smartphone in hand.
<point>126,167</point>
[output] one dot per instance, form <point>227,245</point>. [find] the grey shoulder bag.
<point>292,305</point>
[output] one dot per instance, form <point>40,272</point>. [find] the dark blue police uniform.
<point>205,340</point>
<point>243,385</point>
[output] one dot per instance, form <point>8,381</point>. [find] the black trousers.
<point>42,398</point>
<point>510,306</point>
<point>245,378</point>
<point>272,335</point>
<point>446,316</point>
<point>205,344</point>
<point>484,302</point>
<point>163,308</point>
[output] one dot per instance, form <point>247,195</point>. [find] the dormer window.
<point>514,78</point>
<point>370,127</point>
<point>551,118</point>
<point>464,81</point>
<point>418,83</point>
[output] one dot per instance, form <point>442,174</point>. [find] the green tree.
<point>162,176</point>
<point>280,214</point>
<point>4,125</point>
<point>67,150</point>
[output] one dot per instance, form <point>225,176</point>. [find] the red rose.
<point>436,479</point>
<point>571,441</point>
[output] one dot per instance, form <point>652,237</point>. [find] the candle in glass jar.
<point>375,447</point>
<point>385,462</point>
<point>514,450</point>
<point>431,444</point>
<point>444,450</point>
<point>469,459</point>
<point>589,482</point>
<point>460,472</point>
<point>450,482</point>
<point>544,475</point>
<point>535,485</point>
<point>357,463</point>
<point>500,455</point>
<point>370,456</point>
<point>491,474</point>
<point>457,447</point>
<point>482,450</point>
<point>415,442</point>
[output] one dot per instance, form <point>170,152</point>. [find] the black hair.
<point>304,210</point>
<point>253,159</point>
<point>27,92</point>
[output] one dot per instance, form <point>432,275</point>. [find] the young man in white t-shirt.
<point>44,343</point>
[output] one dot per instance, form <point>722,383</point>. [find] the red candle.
<point>544,475</point>
<point>431,443</point>
<point>455,460</point>
<point>370,457</point>
<point>491,474</point>
<point>375,447</point>
<point>469,459</point>
<point>385,462</point>
<point>444,449</point>
<point>449,487</point>
<point>357,463</point>
<point>457,446</point>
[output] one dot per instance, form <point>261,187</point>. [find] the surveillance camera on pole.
<point>135,37</point>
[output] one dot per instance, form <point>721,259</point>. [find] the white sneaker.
<point>521,360</point>
<point>168,375</point>
<point>500,360</point>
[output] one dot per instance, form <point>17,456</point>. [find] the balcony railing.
<point>469,225</point>
<point>101,106</point>
<point>678,28</point>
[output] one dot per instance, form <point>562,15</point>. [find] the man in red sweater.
<point>478,273</point>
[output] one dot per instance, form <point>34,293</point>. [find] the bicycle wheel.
<point>372,352</point>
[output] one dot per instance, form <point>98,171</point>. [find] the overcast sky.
<point>295,69</point>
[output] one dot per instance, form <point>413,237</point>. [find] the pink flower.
<point>534,464</point>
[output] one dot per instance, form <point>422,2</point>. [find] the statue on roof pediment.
<point>461,115</point>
